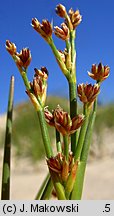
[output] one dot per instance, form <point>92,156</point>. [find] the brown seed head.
<point>54,163</point>
<point>35,24</point>
<point>62,120</point>
<point>75,17</point>
<point>47,27</point>
<point>88,92</point>
<point>11,47</point>
<point>61,10</point>
<point>44,29</point>
<point>63,168</point>
<point>49,117</point>
<point>99,72</point>
<point>39,84</point>
<point>43,73</point>
<point>77,122</point>
<point>62,32</point>
<point>23,58</point>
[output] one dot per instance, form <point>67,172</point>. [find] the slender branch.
<point>88,136</point>
<point>58,186</point>
<point>67,45</point>
<point>46,189</point>
<point>78,186</point>
<point>73,112</point>
<point>25,79</point>
<point>58,141</point>
<point>59,59</point>
<point>5,191</point>
<point>72,89</point>
<point>45,134</point>
<point>73,54</point>
<point>42,188</point>
<point>82,135</point>
<point>66,147</point>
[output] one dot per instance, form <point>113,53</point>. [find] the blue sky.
<point>94,42</point>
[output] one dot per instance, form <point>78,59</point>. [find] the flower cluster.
<point>72,19</point>
<point>61,11</point>
<point>88,92</point>
<point>37,89</point>
<point>44,28</point>
<point>62,121</point>
<point>99,72</point>
<point>62,32</point>
<point>21,59</point>
<point>63,168</point>
<point>38,86</point>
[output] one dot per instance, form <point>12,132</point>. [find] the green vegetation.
<point>26,130</point>
<point>105,118</point>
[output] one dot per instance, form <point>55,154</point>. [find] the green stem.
<point>45,189</point>
<point>5,191</point>
<point>58,141</point>
<point>59,59</point>
<point>72,88</point>
<point>67,45</point>
<point>72,40</point>
<point>82,135</point>
<point>78,185</point>
<point>73,112</point>
<point>48,190</point>
<point>42,188</point>
<point>73,54</point>
<point>87,142</point>
<point>25,79</point>
<point>45,134</point>
<point>58,186</point>
<point>66,147</point>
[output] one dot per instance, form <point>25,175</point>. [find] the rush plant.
<point>73,130</point>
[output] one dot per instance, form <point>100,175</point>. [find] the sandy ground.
<point>26,179</point>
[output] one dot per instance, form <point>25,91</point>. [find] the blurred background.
<point>94,44</point>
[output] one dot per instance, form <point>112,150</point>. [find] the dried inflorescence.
<point>75,17</point>
<point>39,85</point>
<point>71,21</point>
<point>59,165</point>
<point>66,57</point>
<point>43,73</point>
<point>88,92</point>
<point>11,48</point>
<point>62,121</point>
<point>63,32</point>
<point>61,11</point>
<point>44,28</point>
<point>72,18</point>
<point>55,163</point>
<point>99,72</point>
<point>21,59</point>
